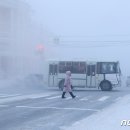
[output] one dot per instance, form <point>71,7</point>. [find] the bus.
<point>85,74</point>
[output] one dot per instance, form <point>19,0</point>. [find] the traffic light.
<point>40,48</point>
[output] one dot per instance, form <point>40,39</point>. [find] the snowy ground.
<point>22,88</point>
<point>108,119</point>
<point>21,84</point>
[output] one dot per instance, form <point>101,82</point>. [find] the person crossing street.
<point>67,85</point>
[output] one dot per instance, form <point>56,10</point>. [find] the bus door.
<point>53,75</point>
<point>79,74</point>
<point>91,75</point>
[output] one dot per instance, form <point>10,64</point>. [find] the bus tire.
<point>61,84</point>
<point>106,85</point>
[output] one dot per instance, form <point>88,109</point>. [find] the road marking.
<point>59,108</point>
<point>1,94</point>
<point>68,98</point>
<point>4,96</point>
<point>53,97</point>
<point>103,98</point>
<point>38,96</point>
<point>3,105</point>
<point>8,95</point>
<point>84,99</point>
<point>119,98</point>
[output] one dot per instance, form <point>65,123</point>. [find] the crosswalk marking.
<point>4,96</point>
<point>119,98</point>
<point>17,97</point>
<point>3,105</point>
<point>51,96</point>
<point>103,98</point>
<point>46,96</point>
<point>84,99</point>
<point>39,96</point>
<point>59,108</point>
<point>68,98</point>
<point>8,95</point>
<point>54,97</point>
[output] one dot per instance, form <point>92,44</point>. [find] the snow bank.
<point>108,119</point>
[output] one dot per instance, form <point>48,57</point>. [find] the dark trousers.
<point>72,95</point>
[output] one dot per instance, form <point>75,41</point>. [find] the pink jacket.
<point>67,83</point>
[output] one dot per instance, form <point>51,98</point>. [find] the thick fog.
<point>84,17</point>
<point>77,29</point>
<point>20,38</point>
<point>95,30</point>
<point>34,32</point>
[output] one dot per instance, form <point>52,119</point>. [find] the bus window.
<point>79,67</point>
<point>82,68</point>
<point>62,67</point>
<point>107,67</point>
<point>65,66</point>
<point>69,66</point>
<point>75,67</point>
<point>52,69</point>
<point>91,70</point>
<point>55,69</point>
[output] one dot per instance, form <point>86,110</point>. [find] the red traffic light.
<point>40,47</point>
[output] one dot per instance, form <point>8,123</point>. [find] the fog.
<point>77,29</point>
<point>95,30</point>
<point>19,38</point>
<point>84,17</point>
<point>32,32</point>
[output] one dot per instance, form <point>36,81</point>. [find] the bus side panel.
<point>46,73</point>
<point>79,80</point>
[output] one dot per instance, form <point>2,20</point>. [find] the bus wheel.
<point>61,84</point>
<point>106,85</point>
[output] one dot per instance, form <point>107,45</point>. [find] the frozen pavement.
<point>18,96</point>
<point>5,98</point>
<point>46,110</point>
<point>16,90</point>
<point>108,119</point>
<point>22,86</point>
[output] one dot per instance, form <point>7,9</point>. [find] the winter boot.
<point>63,94</point>
<point>73,96</point>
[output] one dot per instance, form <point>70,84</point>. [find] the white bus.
<point>85,74</point>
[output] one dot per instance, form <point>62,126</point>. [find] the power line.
<point>94,46</point>
<point>87,36</point>
<point>105,41</point>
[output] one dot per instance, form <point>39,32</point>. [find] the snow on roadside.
<point>107,119</point>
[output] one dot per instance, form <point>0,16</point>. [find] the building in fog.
<point>19,39</point>
<point>14,23</point>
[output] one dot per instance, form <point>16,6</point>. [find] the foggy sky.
<point>101,20</point>
<point>84,17</point>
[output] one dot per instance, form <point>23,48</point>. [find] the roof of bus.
<point>78,60</point>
